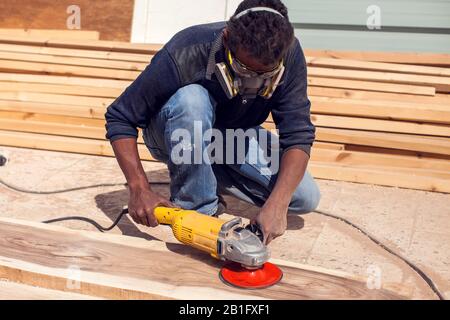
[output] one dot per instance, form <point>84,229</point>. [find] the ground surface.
<point>414,223</point>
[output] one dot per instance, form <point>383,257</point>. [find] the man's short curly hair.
<point>265,36</point>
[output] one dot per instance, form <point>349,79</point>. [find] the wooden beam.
<point>377,66</point>
<point>74,90</point>
<point>61,69</point>
<point>371,86</point>
<point>24,96</point>
<point>437,99</point>
<point>63,144</point>
<point>78,53</point>
<point>388,110</point>
<point>73,61</point>
<point>365,159</point>
<point>400,152</point>
<point>357,123</point>
<point>52,33</point>
<point>385,140</point>
<point>417,58</point>
<point>53,128</point>
<point>151,270</point>
<point>442,84</point>
<point>381,125</point>
<point>49,118</point>
<point>52,108</point>
<point>51,79</point>
<point>84,44</point>
<point>379,177</point>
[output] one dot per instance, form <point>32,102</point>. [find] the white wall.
<point>156,21</point>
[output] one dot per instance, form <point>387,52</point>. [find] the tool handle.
<point>166,215</point>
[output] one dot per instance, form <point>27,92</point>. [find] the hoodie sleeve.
<point>143,98</point>
<point>291,111</point>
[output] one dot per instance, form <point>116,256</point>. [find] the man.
<point>222,76</point>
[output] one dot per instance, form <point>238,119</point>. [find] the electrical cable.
<point>421,273</point>
<point>91,221</point>
<point>124,211</point>
<point>22,190</point>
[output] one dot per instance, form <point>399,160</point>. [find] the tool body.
<point>228,241</point>
<point>224,240</point>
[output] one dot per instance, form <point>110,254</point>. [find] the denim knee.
<point>305,199</point>
<point>192,103</point>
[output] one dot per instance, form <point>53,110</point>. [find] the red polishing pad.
<point>237,276</point>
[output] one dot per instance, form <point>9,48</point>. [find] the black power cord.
<point>22,190</point>
<point>422,274</point>
<point>91,221</point>
<point>124,211</point>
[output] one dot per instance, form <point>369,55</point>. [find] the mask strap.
<point>257,9</point>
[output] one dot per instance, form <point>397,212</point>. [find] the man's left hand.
<point>273,221</point>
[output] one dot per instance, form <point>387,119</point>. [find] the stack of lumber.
<point>381,118</point>
<point>50,261</point>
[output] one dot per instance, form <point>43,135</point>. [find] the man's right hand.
<point>141,204</point>
<point>142,200</point>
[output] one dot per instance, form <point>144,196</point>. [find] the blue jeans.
<point>196,186</point>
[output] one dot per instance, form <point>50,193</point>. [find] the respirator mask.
<point>235,78</point>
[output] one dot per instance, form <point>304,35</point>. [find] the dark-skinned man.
<point>214,79</point>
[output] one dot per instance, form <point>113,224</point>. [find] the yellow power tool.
<point>224,240</point>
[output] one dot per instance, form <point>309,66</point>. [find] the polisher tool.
<point>240,246</point>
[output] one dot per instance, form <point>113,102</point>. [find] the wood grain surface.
<point>121,267</point>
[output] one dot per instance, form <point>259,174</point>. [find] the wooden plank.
<point>73,90</point>
<point>371,86</point>
<point>388,110</point>
<point>437,99</point>
<point>73,61</point>
<point>16,291</point>
<point>400,152</point>
<point>66,128</point>
<point>385,140</point>
<point>365,159</point>
<point>61,69</point>
<point>55,125</point>
<point>85,44</point>
<point>78,53</point>
<point>377,66</point>
<point>149,270</point>
<point>442,84</point>
<point>46,118</point>
<point>329,145</point>
<point>24,96</point>
<point>379,177</point>
<point>381,125</point>
<point>63,144</point>
<point>417,58</point>
<point>358,123</point>
<point>52,108</point>
<point>52,33</point>
<point>51,79</point>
